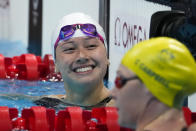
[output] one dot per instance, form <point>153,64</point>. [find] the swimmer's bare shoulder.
<point>111,103</point>
<point>60,96</point>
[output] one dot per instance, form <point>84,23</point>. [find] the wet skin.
<point>128,97</point>
<point>82,60</point>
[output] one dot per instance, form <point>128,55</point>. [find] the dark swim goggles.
<point>68,31</point>
<point>120,82</point>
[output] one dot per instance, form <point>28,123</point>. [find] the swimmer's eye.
<point>69,50</point>
<point>91,46</point>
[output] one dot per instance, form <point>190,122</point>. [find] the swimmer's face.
<point>129,98</point>
<point>82,60</point>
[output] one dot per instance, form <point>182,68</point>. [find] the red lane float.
<point>38,118</point>
<point>49,61</point>
<point>70,119</point>
<point>189,116</point>
<point>28,67</point>
<point>2,67</point>
<point>107,118</point>
<point>6,116</point>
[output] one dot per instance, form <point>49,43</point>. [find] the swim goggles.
<point>120,82</point>
<point>68,31</point>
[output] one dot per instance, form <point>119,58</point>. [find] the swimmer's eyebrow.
<point>89,38</point>
<point>66,42</point>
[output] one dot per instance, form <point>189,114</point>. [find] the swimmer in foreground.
<point>152,81</point>
<point>80,53</point>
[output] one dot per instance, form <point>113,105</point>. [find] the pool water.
<point>20,94</point>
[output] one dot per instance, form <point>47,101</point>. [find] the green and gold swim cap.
<point>166,67</point>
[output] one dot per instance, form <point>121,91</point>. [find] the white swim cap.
<point>76,18</point>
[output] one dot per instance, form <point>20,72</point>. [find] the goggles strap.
<point>78,27</point>
<point>78,33</point>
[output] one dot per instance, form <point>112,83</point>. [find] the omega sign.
<point>126,35</point>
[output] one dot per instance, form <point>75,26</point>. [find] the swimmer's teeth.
<point>84,69</point>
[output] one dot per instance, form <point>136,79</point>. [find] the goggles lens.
<point>66,32</point>
<point>89,29</point>
<point>120,82</point>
